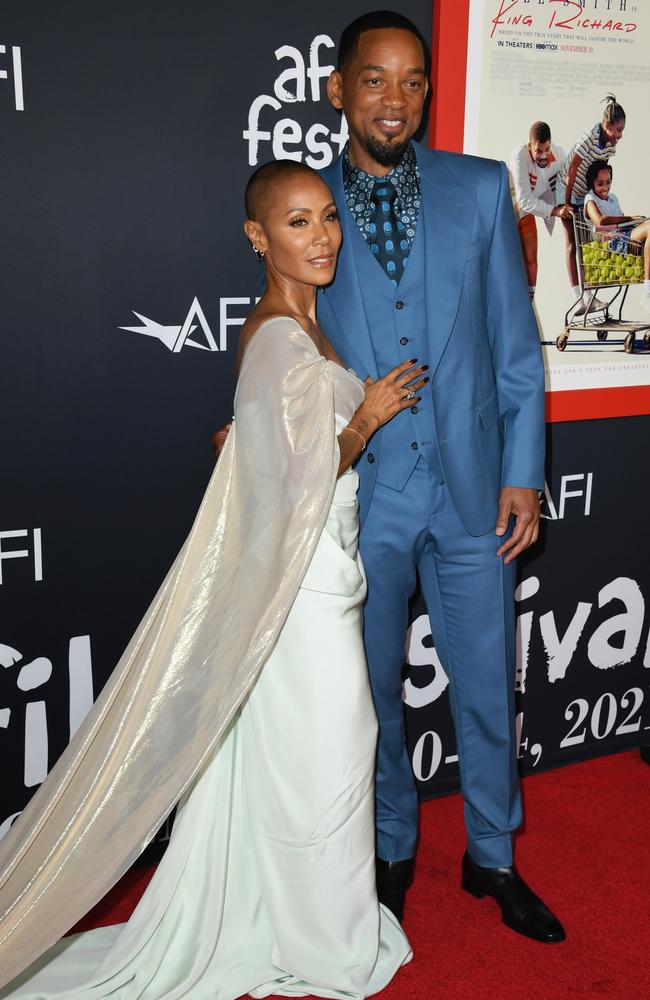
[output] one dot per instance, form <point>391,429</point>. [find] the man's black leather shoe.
<point>521,909</point>
<point>393,880</point>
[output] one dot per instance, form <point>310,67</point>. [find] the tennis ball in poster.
<point>630,258</point>
<point>629,272</point>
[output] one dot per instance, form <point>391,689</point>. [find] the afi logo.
<point>580,497</point>
<point>17,74</point>
<point>299,78</point>
<point>175,338</point>
<point>35,555</point>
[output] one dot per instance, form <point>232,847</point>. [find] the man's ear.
<point>255,234</point>
<point>335,89</point>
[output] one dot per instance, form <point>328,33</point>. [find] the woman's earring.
<point>258,253</point>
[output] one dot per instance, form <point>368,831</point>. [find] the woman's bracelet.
<point>348,428</point>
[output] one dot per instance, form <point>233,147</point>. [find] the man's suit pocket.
<point>488,411</point>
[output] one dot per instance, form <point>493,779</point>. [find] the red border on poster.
<point>446,131</point>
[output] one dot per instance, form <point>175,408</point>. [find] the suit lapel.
<point>341,303</point>
<point>446,218</point>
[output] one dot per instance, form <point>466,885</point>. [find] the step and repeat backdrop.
<point>128,134</point>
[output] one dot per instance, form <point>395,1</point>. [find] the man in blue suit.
<point>431,268</point>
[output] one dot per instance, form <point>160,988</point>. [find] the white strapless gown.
<point>268,882</point>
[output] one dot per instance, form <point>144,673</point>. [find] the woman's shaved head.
<point>264,183</point>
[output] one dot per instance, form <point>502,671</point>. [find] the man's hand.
<point>562,211</point>
<point>218,439</point>
<point>524,504</point>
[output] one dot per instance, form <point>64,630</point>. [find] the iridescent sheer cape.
<point>194,657</point>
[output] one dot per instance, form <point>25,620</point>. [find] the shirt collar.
<point>358,184</point>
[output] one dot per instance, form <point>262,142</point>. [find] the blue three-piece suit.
<point>430,478</point>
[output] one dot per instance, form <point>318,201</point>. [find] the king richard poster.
<point>554,65</point>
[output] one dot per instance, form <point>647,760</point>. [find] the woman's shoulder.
<point>588,135</point>
<point>286,330</point>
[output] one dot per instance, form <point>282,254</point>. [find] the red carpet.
<point>584,850</point>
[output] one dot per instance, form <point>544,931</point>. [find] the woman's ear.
<point>255,234</point>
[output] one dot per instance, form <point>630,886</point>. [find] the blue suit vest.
<point>397,324</point>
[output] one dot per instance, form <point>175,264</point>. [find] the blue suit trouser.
<point>469,594</point>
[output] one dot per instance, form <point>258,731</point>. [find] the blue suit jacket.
<point>487,376</point>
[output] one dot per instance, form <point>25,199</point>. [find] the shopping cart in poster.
<point>607,259</point>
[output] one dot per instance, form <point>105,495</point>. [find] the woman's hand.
<point>392,393</point>
<point>218,439</point>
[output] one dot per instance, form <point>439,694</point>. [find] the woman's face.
<point>602,183</point>
<point>614,130</point>
<point>301,231</point>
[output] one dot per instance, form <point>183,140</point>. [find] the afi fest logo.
<point>32,715</point>
<point>301,79</point>
<point>175,338</point>
<point>16,74</point>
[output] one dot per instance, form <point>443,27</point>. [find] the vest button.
<point>399,304</point>
<point>414,445</point>
<point>403,341</point>
<point>414,409</point>
<point>371,457</point>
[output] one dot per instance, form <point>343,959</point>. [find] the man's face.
<point>540,152</point>
<point>381,91</point>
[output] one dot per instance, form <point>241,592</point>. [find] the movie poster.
<point>553,63</point>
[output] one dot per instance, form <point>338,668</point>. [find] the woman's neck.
<point>295,297</point>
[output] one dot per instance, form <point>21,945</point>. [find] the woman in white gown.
<point>267,886</point>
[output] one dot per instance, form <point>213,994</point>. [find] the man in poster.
<point>534,168</point>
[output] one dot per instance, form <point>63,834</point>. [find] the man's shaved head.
<point>265,181</point>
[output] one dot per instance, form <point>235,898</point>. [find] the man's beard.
<point>388,153</point>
